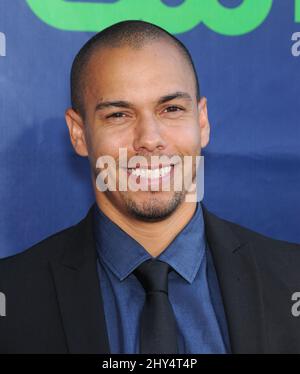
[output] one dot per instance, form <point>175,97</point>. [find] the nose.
<point>148,135</point>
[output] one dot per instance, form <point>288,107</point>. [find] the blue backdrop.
<point>252,164</point>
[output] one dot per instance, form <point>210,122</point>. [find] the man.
<point>147,271</point>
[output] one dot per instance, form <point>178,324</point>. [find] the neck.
<point>153,236</point>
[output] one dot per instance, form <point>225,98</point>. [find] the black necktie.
<point>158,332</point>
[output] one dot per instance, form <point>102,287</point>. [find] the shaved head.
<point>134,34</point>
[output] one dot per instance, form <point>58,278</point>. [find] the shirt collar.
<point>122,254</point>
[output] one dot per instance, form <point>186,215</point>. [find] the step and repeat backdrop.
<point>247,55</point>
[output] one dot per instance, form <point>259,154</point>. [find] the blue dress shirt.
<point>193,287</point>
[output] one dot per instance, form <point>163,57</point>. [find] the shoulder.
<point>47,249</point>
<point>259,239</point>
<point>272,256</point>
<point>245,234</point>
<point>263,242</point>
<point>36,256</point>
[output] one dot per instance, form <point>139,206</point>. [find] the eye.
<point>116,115</point>
<point>173,108</point>
<point>172,112</point>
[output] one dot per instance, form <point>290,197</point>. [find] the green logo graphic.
<point>297,10</point>
<point>93,17</point>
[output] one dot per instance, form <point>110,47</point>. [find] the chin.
<point>153,206</point>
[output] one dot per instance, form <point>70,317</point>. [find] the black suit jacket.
<point>54,302</point>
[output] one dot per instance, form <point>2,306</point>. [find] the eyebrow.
<point>126,104</point>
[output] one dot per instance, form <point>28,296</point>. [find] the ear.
<point>203,122</point>
<point>76,131</point>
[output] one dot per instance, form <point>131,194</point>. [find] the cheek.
<point>103,142</point>
<point>186,139</point>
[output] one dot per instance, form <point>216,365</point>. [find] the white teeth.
<point>164,171</point>
<point>148,173</point>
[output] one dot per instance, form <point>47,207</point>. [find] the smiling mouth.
<point>153,173</point>
<point>152,177</point>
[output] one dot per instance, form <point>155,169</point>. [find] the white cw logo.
<point>2,45</point>
<point>2,305</point>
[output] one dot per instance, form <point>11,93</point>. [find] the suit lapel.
<point>79,295</point>
<point>240,286</point>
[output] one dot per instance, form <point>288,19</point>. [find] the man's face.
<point>142,119</point>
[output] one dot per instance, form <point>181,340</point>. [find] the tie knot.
<point>153,275</point>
